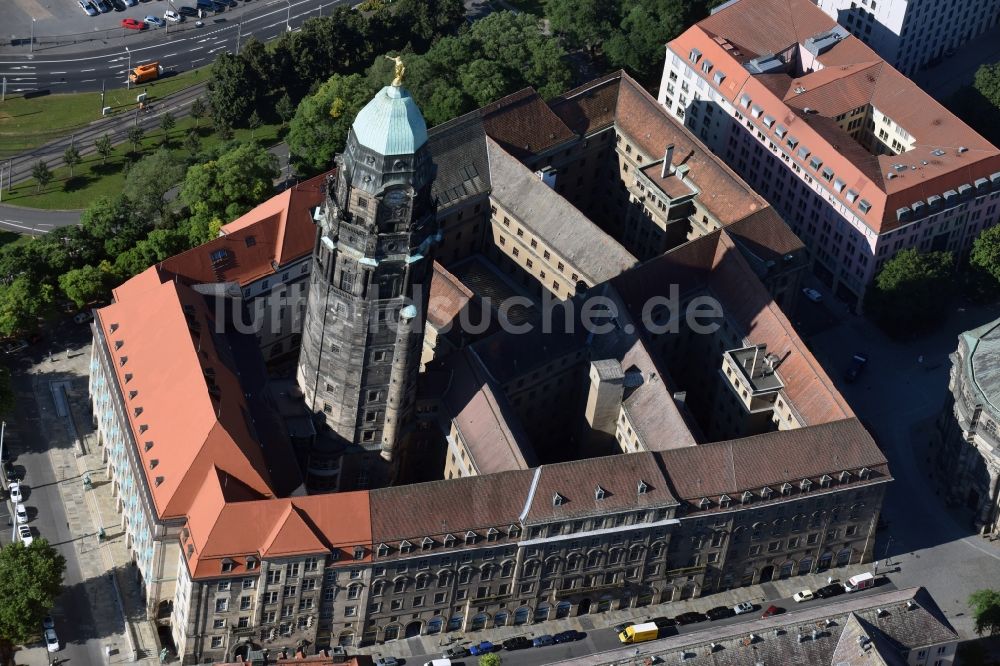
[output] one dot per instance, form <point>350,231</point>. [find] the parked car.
<point>51,640</point>
<point>690,617</point>
<point>802,595</point>
<point>48,622</point>
<point>720,613</point>
<point>22,514</point>
<point>172,16</point>
<point>154,21</point>
<point>543,640</point>
<point>812,294</point>
<point>386,661</point>
<point>10,471</point>
<point>15,346</point>
<point>568,636</point>
<point>24,532</point>
<point>831,590</point>
<point>772,610</point>
<point>187,11</point>
<point>218,6</point>
<point>663,622</point>
<point>743,607</point>
<point>858,363</point>
<point>118,5</point>
<point>456,652</point>
<point>131,3</point>
<point>88,8</point>
<point>133,24</point>
<point>84,317</point>
<point>15,493</point>
<point>517,643</point>
<point>482,648</point>
<point>103,5</point>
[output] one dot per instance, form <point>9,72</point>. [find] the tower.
<point>371,276</point>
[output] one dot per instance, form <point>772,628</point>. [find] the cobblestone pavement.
<point>100,583</point>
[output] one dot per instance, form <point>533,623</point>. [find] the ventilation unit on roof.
<point>962,149</point>
<point>890,175</point>
<point>937,152</point>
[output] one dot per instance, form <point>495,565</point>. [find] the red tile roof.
<point>523,124</point>
<point>848,73</point>
<point>447,298</point>
<point>273,234</point>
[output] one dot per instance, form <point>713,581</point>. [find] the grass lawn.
<point>92,179</point>
<point>29,123</point>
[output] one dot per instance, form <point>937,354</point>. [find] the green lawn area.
<point>29,123</point>
<point>92,179</point>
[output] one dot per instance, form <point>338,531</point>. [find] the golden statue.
<point>400,70</point>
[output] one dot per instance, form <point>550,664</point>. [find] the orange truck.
<point>149,71</point>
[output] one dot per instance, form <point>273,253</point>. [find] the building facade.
<point>968,446</point>
<point>910,34</point>
<point>854,156</point>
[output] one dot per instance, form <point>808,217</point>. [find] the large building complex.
<point>688,443</point>
<point>909,34</point>
<point>968,450</point>
<point>858,160</point>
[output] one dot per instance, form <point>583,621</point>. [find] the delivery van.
<point>860,582</point>
<point>149,71</point>
<point>638,633</point>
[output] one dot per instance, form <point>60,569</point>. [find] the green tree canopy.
<point>104,147</point>
<point>985,253</point>
<point>987,82</point>
<point>583,23</point>
<point>321,123</point>
<point>490,659</point>
<point>42,174</point>
<point>71,156</point>
<point>232,90</point>
<point>985,606</point>
<point>646,25</point>
<point>85,285</point>
<point>910,291</point>
<point>148,181</point>
<point>115,223</point>
<point>225,188</point>
<point>22,302</point>
<point>30,579</point>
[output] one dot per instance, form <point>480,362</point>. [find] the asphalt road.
<point>601,640</point>
<point>86,67</point>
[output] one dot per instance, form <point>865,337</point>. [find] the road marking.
<point>198,60</point>
<point>88,81</point>
<point>92,69</point>
<point>9,223</point>
<point>58,72</point>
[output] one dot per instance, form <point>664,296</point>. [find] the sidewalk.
<point>758,594</point>
<point>60,387</point>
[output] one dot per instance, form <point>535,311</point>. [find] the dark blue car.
<point>482,648</point>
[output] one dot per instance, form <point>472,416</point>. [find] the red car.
<point>133,24</point>
<point>773,610</point>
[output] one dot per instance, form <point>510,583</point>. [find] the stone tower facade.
<point>371,276</point>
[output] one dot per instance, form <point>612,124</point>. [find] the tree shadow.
<point>106,168</point>
<point>77,182</point>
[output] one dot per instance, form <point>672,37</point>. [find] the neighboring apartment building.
<point>859,160</point>
<point>968,447</point>
<point>910,34</point>
<point>897,627</point>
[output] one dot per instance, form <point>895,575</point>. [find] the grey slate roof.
<point>983,362</point>
<point>553,219</point>
<point>458,150</point>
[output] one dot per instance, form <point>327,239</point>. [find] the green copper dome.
<point>391,124</point>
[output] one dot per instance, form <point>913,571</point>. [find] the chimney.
<point>668,157</point>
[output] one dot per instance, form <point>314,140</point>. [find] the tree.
<point>987,83</point>
<point>22,302</point>
<point>167,123</point>
<point>224,130</point>
<point>84,285</point>
<point>148,181</point>
<point>104,148</point>
<point>910,291</point>
<point>71,156</point>
<point>985,253</point>
<point>321,123</point>
<point>135,134</point>
<point>985,606</point>
<point>42,175</point>
<point>221,190</point>
<point>198,110</point>
<point>645,26</point>
<point>428,20</point>
<point>192,142</point>
<point>254,124</point>
<point>583,23</point>
<point>232,89</point>
<point>490,659</point>
<point>284,108</point>
<point>30,580</point>
<point>114,224</point>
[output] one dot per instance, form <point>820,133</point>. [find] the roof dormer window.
<point>706,65</point>
<point>470,538</point>
<point>382,550</point>
<point>719,77</point>
<point>805,484</point>
<point>643,488</point>
<point>427,543</point>
<point>513,531</point>
<point>492,534</point>
<point>825,480</point>
<point>405,547</point>
<point>786,488</point>
<point>599,493</point>
<point>449,540</point>
<point>864,473</point>
<point>747,497</point>
<point>845,476</point>
<point>694,55</point>
<point>557,500</point>
<point>228,565</point>
<point>704,503</point>
<point>725,500</point>
<point>766,492</point>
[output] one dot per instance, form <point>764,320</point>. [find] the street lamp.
<point>31,44</point>
<point>128,69</point>
<point>288,17</point>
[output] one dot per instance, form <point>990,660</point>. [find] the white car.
<point>24,532</point>
<point>812,295</point>
<point>51,640</point>
<point>22,514</point>
<point>743,607</point>
<point>172,16</point>
<point>802,595</point>
<point>15,492</point>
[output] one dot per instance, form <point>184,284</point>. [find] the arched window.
<point>757,529</point>
<point>616,556</point>
<point>530,568</point>
<point>507,569</point>
<point>378,587</point>
<point>422,581</point>
<point>487,572</point>
<point>797,522</point>
<point>354,591</point>
<point>594,558</point>
<point>551,565</point>
<point>399,585</point>
<point>445,578</point>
